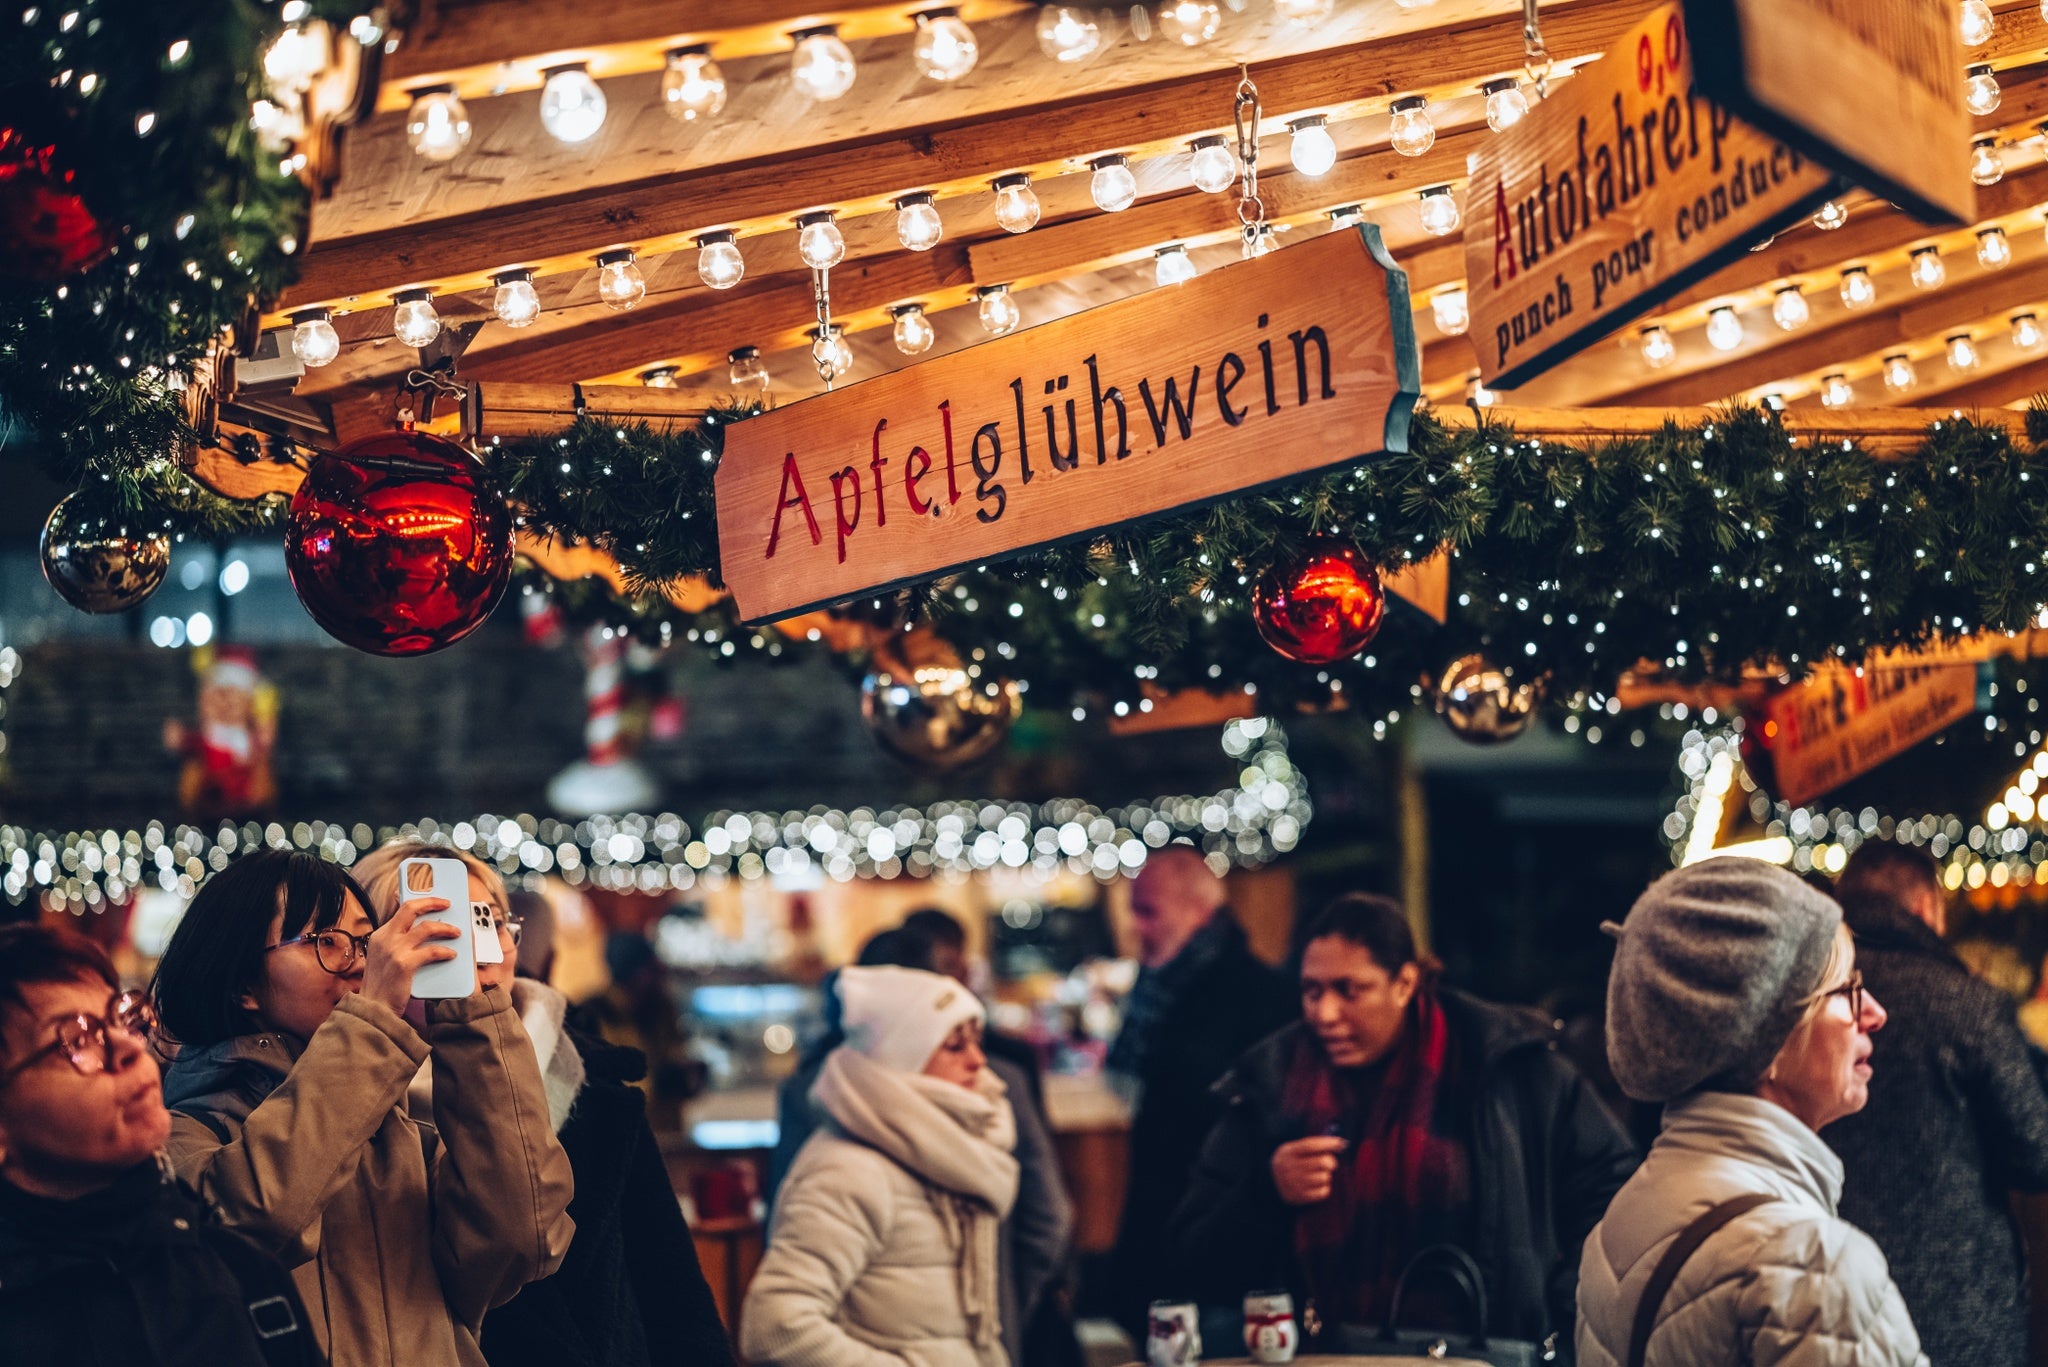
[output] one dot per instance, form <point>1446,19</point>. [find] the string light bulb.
<point>1836,391</point>
<point>1899,375</point>
<point>314,340</point>
<point>1068,34</point>
<point>1976,23</point>
<point>1214,166</point>
<point>719,263</point>
<point>514,301</point>
<point>661,377</point>
<point>437,125</point>
<point>1304,13</point>
<point>1724,329</point>
<point>821,65</point>
<point>1928,271</point>
<point>1112,186</point>
<point>1980,88</point>
<point>572,108</point>
<point>1830,216</point>
<point>1962,353</point>
<point>2026,332</point>
<point>1408,126</point>
<point>1659,350</point>
<point>744,368</point>
<point>818,240</point>
<point>1311,148</point>
<point>829,348</point>
<point>1994,249</point>
<point>945,49</point>
<point>1016,202</point>
<point>1171,265</point>
<point>1506,105</point>
<point>914,332</point>
<point>619,281</point>
<point>917,221</point>
<point>1986,167</point>
<point>1478,395</point>
<point>1859,291</point>
<point>1190,23</point>
<point>1347,216</point>
<point>1452,310</point>
<point>413,320</point>
<point>999,312</point>
<point>1789,309</point>
<point>692,86</point>
<point>1440,216</point>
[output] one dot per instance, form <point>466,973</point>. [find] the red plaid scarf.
<point>1402,1186</point>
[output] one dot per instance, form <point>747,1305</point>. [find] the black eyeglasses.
<point>337,950</point>
<point>87,1042</point>
<point>1853,990</point>
<point>513,923</point>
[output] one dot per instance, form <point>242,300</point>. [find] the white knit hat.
<point>900,1016</point>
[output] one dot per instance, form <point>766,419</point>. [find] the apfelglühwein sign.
<point>1254,372</point>
<point>1842,722</point>
<point>1622,188</point>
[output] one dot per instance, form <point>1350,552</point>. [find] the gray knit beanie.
<point>1715,966</point>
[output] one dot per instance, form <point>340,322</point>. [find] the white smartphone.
<point>448,879</point>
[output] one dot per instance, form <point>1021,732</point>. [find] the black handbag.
<point>1455,1265</point>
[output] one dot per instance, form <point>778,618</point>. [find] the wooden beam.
<point>1877,429</point>
<point>1991,391</point>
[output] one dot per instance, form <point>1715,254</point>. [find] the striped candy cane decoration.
<point>604,693</point>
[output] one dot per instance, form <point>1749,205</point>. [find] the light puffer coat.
<point>1789,1283</point>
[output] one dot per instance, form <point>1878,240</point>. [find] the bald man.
<point>1202,998</point>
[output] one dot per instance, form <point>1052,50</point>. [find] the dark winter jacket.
<point>1956,1119</point>
<point>141,1275</point>
<point>1546,1157</point>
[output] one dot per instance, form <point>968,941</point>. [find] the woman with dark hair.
<point>1394,1117</point>
<point>296,1035</point>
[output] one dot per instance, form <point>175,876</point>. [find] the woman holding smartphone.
<point>296,1034</point>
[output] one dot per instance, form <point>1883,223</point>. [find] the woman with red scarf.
<point>1394,1117</point>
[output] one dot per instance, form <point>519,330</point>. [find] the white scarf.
<point>956,1141</point>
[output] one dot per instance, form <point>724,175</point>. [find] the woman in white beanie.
<point>1735,1001</point>
<point>883,1251</point>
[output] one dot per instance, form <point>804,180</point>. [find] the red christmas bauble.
<point>1322,605</point>
<point>398,544</point>
<point>47,232</point>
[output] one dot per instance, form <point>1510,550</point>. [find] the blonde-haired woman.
<point>1735,1001</point>
<point>884,1248</point>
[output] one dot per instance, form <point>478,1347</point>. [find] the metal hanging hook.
<point>1246,114</point>
<point>1535,55</point>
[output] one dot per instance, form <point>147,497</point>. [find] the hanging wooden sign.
<point>1873,88</point>
<point>1624,187</point>
<point>1843,722</point>
<point>1250,373</point>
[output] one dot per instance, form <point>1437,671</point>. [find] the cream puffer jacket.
<point>883,1251</point>
<point>1790,1283</point>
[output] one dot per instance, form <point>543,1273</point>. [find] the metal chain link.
<point>1535,55</point>
<point>821,345</point>
<point>1247,113</point>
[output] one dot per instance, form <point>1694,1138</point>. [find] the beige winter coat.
<point>883,1251</point>
<point>399,1235</point>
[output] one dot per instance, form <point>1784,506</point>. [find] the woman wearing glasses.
<point>104,1260</point>
<point>296,1036</point>
<point>1735,1001</point>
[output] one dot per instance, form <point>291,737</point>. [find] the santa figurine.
<point>227,770</point>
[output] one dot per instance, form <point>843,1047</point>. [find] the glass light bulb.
<point>1349,216</point>
<point>1830,216</point>
<point>1312,150</point>
<point>1453,312</point>
<point>1113,187</point>
<point>1962,353</point>
<point>829,349</point>
<point>820,243</point>
<point>515,301</point>
<point>1016,205</point>
<point>571,106</point>
<point>661,377</point>
<point>314,340</point>
<point>914,332</point>
<point>1214,167</point>
<point>1309,13</point>
<point>719,263</point>
<point>1837,392</point>
<point>746,370</point>
<point>917,223</point>
<point>1658,348</point>
<point>1172,266</point>
<point>437,125</point>
<point>1789,309</point>
<point>1506,105</point>
<point>2026,332</point>
<point>1409,128</point>
<point>999,312</point>
<point>1981,94</point>
<point>1986,167</point>
<point>1977,23</point>
<point>1994,249</point>
<point>619,282</point>
<point>822,65</point>
<point>1190,23</point>
<point>1859,291</point>
<point>1068,33</point>
<point>1724,329</point>
<point>1478,395</point>
<point>1440,211</point>
<point>413,319</point>
<point>945,49</point>
<point>692,86</point>
<point>1899,375</point>
<point>296,58</point>
<point>1928,271</point>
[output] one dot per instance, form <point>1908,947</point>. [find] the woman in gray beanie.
<point>1735,1001</point>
